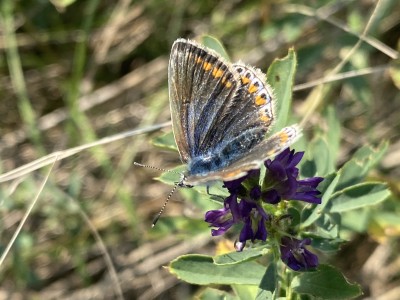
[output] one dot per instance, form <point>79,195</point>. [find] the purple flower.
<point>225,217</point>
<point>250,213</point>
<point>254,218</point>
<point>281,180</point>
<point>248,199</point>
<point>296,256</point>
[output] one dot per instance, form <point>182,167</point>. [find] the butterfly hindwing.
<point>249,118</point>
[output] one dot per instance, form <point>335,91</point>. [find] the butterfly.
<point>221,113</point>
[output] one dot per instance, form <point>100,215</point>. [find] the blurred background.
<point>74,72</point>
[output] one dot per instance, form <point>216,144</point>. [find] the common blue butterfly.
<point>221,113</point>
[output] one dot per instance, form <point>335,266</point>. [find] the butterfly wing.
<point>200,84</point>
<point>268,148</point>
<point>254,109</point>
<point>249,116</point>
<point>220,114</point>
<point>213,101</point>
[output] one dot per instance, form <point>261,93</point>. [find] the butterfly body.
<point>221,113</point>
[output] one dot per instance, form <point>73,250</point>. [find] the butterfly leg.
<point>214,195</point>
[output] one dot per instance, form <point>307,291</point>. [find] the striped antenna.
<point>177,184</point>
<point>155,168</point>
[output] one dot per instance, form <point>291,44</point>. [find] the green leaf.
<point>214,294</point>
<point>326,245</point>
<point>327,225</point>
<point>197,194</point>
<point>165,141</point>
<point>294,216</point>
<point>200,269</point>
<point>201,200</point>
<point>362,161</point>
<point>238,257</point>
<point>308,167</point>
<point>321,155</point>
<point>268,283</point>
<point>357,196</point>
<point>326,187</point>
<point>173,176</point>
<point>280,76</point>
<point>333,133</point>
<point>326,283</point>
<point>213,43</point>
<point>354,221</point>
<point>245,291</point>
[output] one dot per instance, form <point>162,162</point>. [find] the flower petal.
<point>296,256</point>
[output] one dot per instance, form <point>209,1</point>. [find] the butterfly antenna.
<point>165,204</point>
<point>177,184</point>
<point>155,168</point>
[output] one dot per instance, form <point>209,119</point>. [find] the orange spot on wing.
<point>228,84</point>
<point>232,174</point>
<point>260,100</point>
<point>199,60</point>
<point>252,89</point>
<point>207,66</point>
<point>245,80</point>
<point>284,137</point>
<point>265,118</point>
<point>217,72</point>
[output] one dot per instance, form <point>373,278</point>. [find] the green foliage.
<point>214,294</point>
<point>360,164</point>
<point>325,283</point>
<point>358,196</point>
<point>239,257</point>
<point>165,141</point>
<point>201,269</point>
<point>280,76</point>
<point>213,43</point>
<point>268,282</point>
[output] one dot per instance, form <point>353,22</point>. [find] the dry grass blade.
<point>132,80</point>
<point>27,213</point>
<point>49,159</point>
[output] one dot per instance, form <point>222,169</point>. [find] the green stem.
<point>25,108</point>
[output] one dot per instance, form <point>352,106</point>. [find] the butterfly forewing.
<point>201,85</point>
